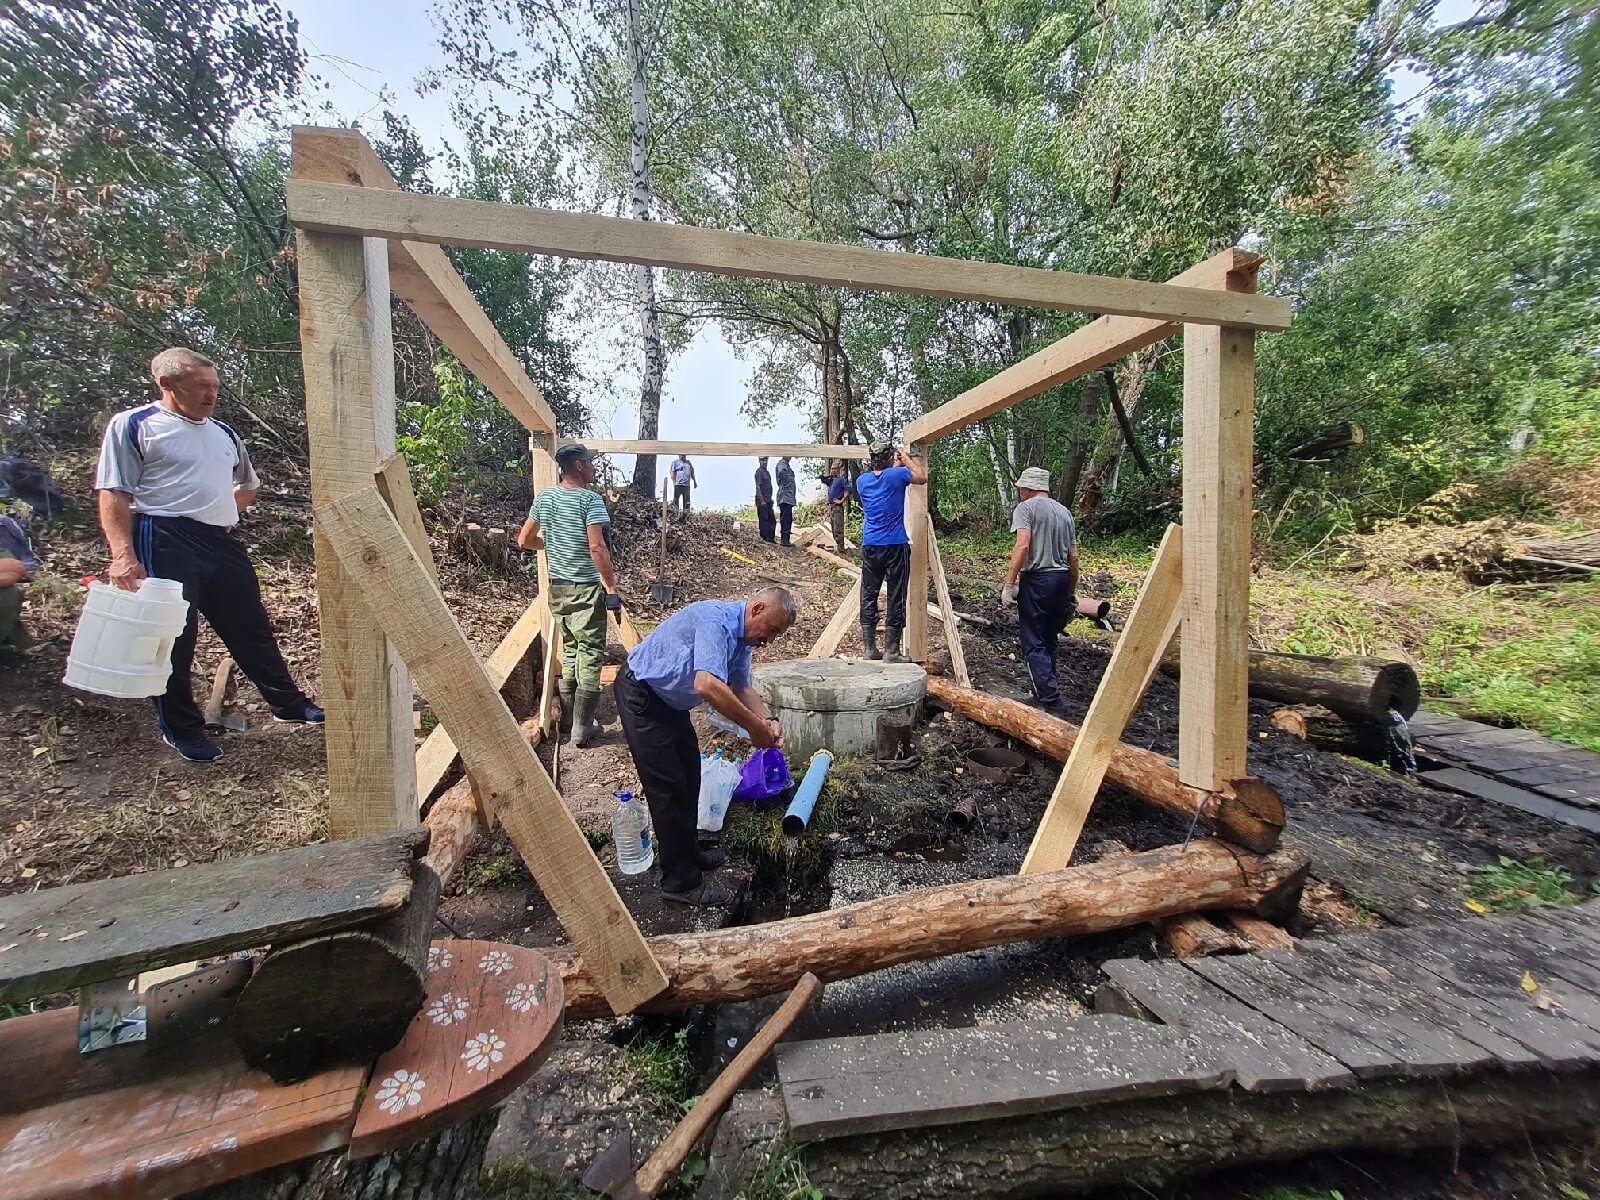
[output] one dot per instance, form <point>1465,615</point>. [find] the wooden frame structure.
<point>383,619</point>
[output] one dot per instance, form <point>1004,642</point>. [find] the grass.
<point>518,1179</point>
<point>1298,1193</point>
<point>662,1063</point>
<point>497,871</point>
<point>1512,886</point>
<point>782,1177</point>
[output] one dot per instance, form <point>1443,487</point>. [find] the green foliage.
<point>1512,886</point>
<point>664,1067</point>
<point>1300,1193</point>
<point>498,871</point>
<point>782,1177</point>
<point>518,1179</point>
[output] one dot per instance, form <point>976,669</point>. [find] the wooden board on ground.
<point>838,1087</point>
<point>507,774</point>
<point>491,1017</point>
<point>846,615</point>
<point>1457,779</point>
<point>1150,626</point>
<point>168,1136</point>
<point>1264,1056</point>
<point>61,938</point>
<point>947,614</point>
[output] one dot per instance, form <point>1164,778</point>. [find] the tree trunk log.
<point>1329,731</point>
<point>346,997</point>
<point>1357,689</point>
<point>1251,813</point>
<point>758,960</point>
<point>1149,1142</point>
<point>1193,936</point>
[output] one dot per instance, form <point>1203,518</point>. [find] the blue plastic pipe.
<point>805,796</point>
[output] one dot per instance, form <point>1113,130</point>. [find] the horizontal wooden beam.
<point>1095,345</point>
<point>422,276</point>
<point>724,449</point>
<point>371,213</point>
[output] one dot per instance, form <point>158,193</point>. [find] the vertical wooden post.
<point>1219,366</point>
<point>348,354</point>
<point>917,593</point>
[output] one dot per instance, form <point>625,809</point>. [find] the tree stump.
<point>893,739</point>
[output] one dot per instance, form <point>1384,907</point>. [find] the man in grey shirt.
<point>785,475</point>
<point>1042,581</point>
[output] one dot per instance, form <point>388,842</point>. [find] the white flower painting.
<point>523,997</point>
<point>438,959</point>
<point>482,1050</point>
<point>400,1091</point>
<point>496,962</point>
<point>448,1009</point>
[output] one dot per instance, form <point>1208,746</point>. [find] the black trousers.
<point>1044,606</point>
<point>882,565</point>
<point>666,753</point>
<point>785,522</point>
<point>766,521</point>
<point>680,497</point>
<point>220,584</point>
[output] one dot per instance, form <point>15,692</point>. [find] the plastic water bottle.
<point>630,833</point>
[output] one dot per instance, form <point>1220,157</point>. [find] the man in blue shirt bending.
<point>885,547</point>
<point>700,653</point>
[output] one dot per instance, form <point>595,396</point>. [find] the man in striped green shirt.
<point>569,523</point>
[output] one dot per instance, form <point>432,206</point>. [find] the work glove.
<point>613,602</point>
<point>1009,593</point>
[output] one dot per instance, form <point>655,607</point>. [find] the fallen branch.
<point>1250,813</point>
<point>748,961</point>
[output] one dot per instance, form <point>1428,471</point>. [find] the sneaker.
<point>711,857</point>
<point>708,894</point>
<point>199,748</point>
<point>307,714</point>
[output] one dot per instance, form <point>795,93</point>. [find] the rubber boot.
<point>585,729</point>
<point>891,646</point>
<point>869,642</point>
<point>567,689</point>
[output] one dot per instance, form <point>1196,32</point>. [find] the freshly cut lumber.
<point>1357,688</point>
<point>394,482</point>
<point>724,449</point>
<point>919,527</point>
<point>1133,663</point>
<point>331,208</point>
<point>852,570</point>
<point>1097,344</point>
<point>1247,811</point>
<point>748,961</point>
<point>1192,935</point>
<point>947,612</point>
<point>508,775</point>
<point>1262,935</point>
<point>846,615</point>
<point>342,998</point>
<point>113,929</point>
<point>457,823</point>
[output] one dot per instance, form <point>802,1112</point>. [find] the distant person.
<point>885,547</point>
<point>838,503</point>
<point>1042,581</point>
<point>682,480</point>
<point>766,520</point>
<point>569,521</point>
<point>173,481</point>
<point>785,501</point>
<point>700,654</point>
<point>17,565</point>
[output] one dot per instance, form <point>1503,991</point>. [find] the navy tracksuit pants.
<point>220,584</point>
<point>1044,606</point>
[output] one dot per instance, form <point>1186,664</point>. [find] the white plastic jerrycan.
<point>123,646</point>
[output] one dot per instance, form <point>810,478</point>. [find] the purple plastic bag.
<point>765,775</point>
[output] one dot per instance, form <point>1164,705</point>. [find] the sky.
<point>362,49</point>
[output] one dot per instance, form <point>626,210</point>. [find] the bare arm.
<point>12,572</point>
<point>919,473</point>
<point>528,537</point>
<point>601,553</point>
<point>243,498</point>
<point>730,704</point>
<point>116,522</point>
<point>1019,555</point>
<point>1072,572</point>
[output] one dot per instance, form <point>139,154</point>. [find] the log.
<point>748,961</point>
<point>1262,935</point>
<point>1249,812</point>
<point>346,997</point>
<point>1358,689</point>
<point>1326,729</point>
<point>456,820</point>
<point>1192,935</point>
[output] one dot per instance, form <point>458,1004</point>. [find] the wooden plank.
<point>1263,1055</point>
<point>1134,660</point>
<point>918,527</point>
<point>1096,345</point>
<point>491,1016</point>
<point>1218,437</point>
<point>622,625</point>
<point>422,276</point>
<point>551,672</point>
<point>348,357</point>
<point>331,208</point>
<point>1456,779</point>
<point>850,569</point>
<point>823,450</point>
<point>175,1134</point>
<point>61,938</point>
<point>504,768</point>
<point>844,618</point>
<point>840,1087</point>
<point>437,753</point>
<point>394,485</point>
<point>947,614</point>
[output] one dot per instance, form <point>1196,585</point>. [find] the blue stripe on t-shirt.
<point>134,421</point>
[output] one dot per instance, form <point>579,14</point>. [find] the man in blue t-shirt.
<point>838,503</point>
<point>885,547</point>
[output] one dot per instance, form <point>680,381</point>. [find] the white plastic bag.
<point>718,778</point>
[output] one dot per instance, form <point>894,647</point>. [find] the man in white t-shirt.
<point>682,480</point>
<point>172,482</point>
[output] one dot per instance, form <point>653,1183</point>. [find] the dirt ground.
<point>91,792</point>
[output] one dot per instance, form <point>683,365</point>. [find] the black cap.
<point>573,452</point>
